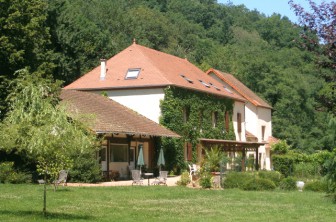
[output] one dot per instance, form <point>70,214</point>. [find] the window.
<point>214,119</point>
<point>118,152</point>
<point>188,151</point>
<point>227,89</point>
<point>204,83</point>
<point>239,123</point>
<point>218,89</point>
<point>132,73</point>
<point>186,113</point>
<point>102,154</point>
<point>263,133</point>
<point>184,77</point>
<point>227,121</point>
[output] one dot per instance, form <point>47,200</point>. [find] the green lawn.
<point>159,203</point>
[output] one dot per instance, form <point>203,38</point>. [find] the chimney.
<point>102,69</point>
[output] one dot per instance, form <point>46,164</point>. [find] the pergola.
<point>235,146</point>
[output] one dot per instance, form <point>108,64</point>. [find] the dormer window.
<point>227,89</point>
<point>184,77</point>
<point>132,73</point>
<point>204,83</point>
<point>218,89</point>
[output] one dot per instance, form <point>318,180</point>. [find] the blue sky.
<point>268,7</point>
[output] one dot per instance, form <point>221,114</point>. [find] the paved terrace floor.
<point>171,181</point>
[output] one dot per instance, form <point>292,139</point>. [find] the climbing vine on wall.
<point>191,114</point>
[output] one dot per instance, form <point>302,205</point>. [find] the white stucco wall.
<point>239,107</point>
<point>144,101</point>
<point>264,119</point>
<point>251,118</point>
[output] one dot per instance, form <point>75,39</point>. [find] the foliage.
<point>6,168</point>
<point>213,159</point>
<point>330,165</point>
<point>306,170</point>
<point>237,179</point>
<point>284,164</point>
<point>259,184</point>
<point>38,125</point>
<point>9,175</point>
<point>174,155</point>
<point>281,147</point>
<point>288,183</point>
<point>24,41</point>
<point>185,179</point>
<point>274,176</point>
<point>199,123</point>
<point>205,180</point>
<point>316,186</point>
<point>85,169</point>
<point>319,26</point>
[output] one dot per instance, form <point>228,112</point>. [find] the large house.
<point>201,107</point>
<point>123,130</point>
<point>258,119</point>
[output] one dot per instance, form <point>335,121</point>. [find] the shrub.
<point>20,177</point>
<point>306,170</point>
<point>185,179</point>
<point>6,168</point>
<point>85,169</point>
<point>284,164</point>
<point>259,184</point>
<point>205,180</point>
<point>316,186</point>
<point>280,147</point>
<point>9,175</point>
<point>237,179</point>
<point>274,176</point>
<point>214,158</point>
<point>288,183</point>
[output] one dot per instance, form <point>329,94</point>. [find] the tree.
<point>37,124</point>
<point>319,36</point>
<point>24,40</point>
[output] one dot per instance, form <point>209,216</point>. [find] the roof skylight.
<point>227,89</point>
<point>204,83</point>
<point>214,86</point>
<point>132,73</point>
<point>184,77</point>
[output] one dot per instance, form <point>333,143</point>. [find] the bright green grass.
<point>159,203</point>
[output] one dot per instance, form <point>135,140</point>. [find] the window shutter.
<point>239,122</point>
<point>263,132</point>
<point>227,121</point>
<point>189,152</point>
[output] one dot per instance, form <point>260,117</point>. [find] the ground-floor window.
<point>118,153</point>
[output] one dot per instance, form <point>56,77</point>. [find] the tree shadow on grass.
<point>49,216</point>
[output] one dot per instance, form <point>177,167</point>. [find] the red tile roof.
<point>110,116</point>
<point>250,137</point>
<point>158,69</point>
<point>271,140</point>
<point>240,88</point>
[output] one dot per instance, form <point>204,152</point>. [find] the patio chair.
<point>192,169</point>
<point>62,178</point>
<point>162,179</point>
<point>136,177</point>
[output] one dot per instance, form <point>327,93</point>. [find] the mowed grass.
<point>159,203</point>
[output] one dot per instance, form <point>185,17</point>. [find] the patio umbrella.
<point>161,160</point>
<point>141,161</point>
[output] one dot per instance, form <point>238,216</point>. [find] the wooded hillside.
<point>66,38</point>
